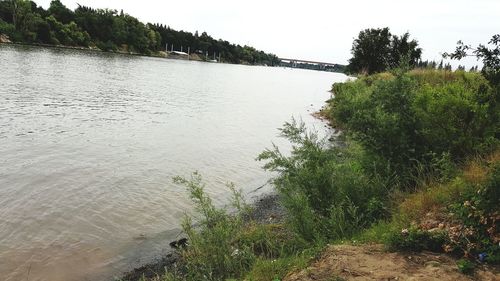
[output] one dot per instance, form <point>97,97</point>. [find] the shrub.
<point>409,120</point>
<point>213,253</point>
<point>325,189</point>
<point>223,246</point>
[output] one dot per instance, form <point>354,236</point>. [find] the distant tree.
<point>6,11</point>
<point>402,48</point>
<point>440,66</point>
<point>61,12</point>
<point>473,69</point>
<point>370,51</point>
<point>376,50</point>
<point>21,13</point>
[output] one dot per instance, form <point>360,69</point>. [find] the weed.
<point>466,266</point>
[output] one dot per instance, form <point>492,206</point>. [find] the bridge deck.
<point>307,61</point>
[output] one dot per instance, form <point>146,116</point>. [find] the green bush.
<point>213,253</point>
<point>325,190</point>
<point>409,120</point>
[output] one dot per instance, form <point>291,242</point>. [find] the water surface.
<point>89,143</point>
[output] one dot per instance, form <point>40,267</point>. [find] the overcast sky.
<point>319,29</point>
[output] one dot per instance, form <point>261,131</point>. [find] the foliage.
<point>110,30</point>
<point>460,217</point>
<point>412,120</point>
<point>270,241</point>
<point>67,34</point>
<point>465,266</point>
<point>478,212</point>
<point>325,189</point>
<point>7,28</point>
<point>223,246</point>
<point>414,239</point>
<point>489,56</point>
<point>212,253</point>
<point>61,12</point>
<point>376,50</point>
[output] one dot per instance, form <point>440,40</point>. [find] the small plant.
<point>465,266</point>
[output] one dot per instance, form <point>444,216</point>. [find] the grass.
<point>277,269</point>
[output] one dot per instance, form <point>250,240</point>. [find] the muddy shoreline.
<point>265,209</point>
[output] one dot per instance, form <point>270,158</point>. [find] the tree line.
<point>110,30</point>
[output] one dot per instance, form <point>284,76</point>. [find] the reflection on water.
<point>89,143</point>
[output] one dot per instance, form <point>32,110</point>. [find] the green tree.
<point>370,51</point>
<point>376,50</point>
<point>6,11</point>
<point>402,48</point>
<point>61,12</point>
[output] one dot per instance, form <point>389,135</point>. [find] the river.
<point>90,141</point>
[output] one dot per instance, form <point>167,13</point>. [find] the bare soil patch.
<point>372,262</point>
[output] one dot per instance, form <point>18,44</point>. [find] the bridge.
<point>309,64</point>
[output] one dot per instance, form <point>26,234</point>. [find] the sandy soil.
<point>371,262</point>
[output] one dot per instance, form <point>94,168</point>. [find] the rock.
<point>432,264</point>
<point>181,243</point>
<point>4,39</point>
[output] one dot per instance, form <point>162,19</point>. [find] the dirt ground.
<point>372,262</point>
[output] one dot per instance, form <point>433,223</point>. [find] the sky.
<point>319,30</point>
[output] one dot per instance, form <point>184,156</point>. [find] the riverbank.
<point>367,198</point>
